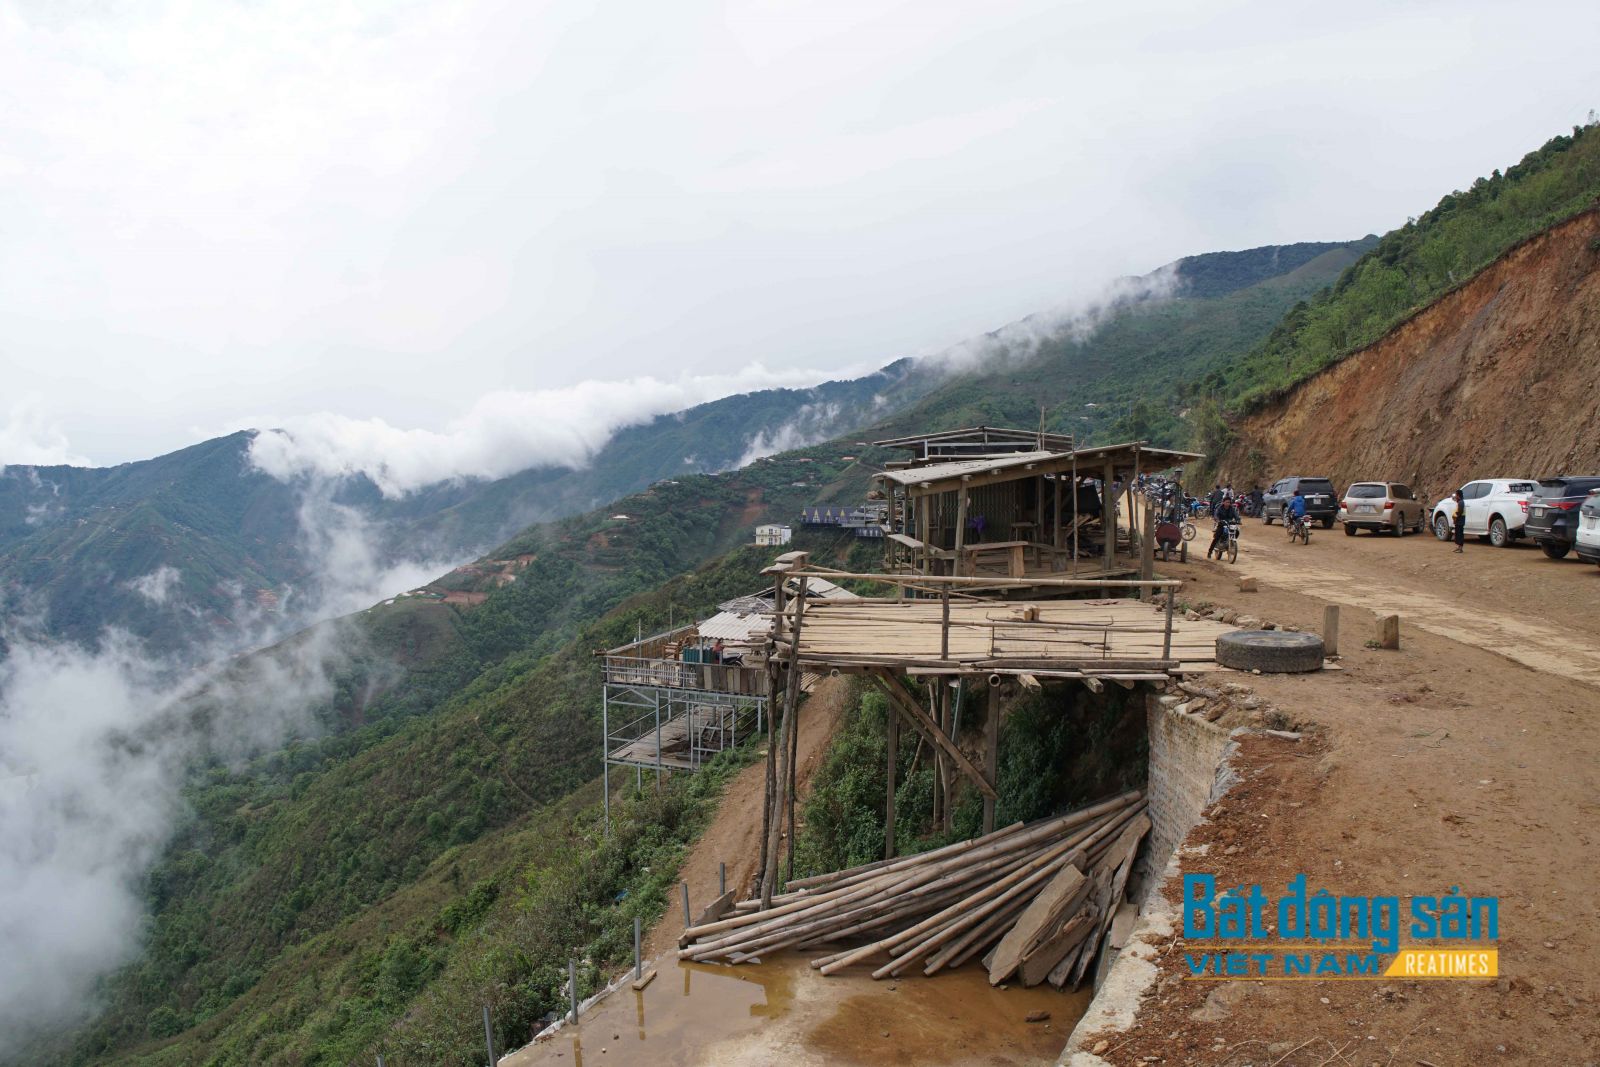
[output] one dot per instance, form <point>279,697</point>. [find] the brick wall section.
<point>1187,757</point>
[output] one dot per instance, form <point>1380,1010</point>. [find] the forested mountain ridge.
<point>197,542</point>
<point>368,888</point>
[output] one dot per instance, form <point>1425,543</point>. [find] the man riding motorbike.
<point>1297,509</point>
<point>1226,514</point>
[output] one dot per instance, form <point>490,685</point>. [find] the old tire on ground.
<point>1270,651</point>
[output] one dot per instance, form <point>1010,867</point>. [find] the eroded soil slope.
<point>1497,378</point>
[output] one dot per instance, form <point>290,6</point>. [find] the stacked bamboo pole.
<point>1038,899</point>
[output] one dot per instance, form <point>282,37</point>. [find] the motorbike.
<point>1299,528</point>
<point>1227,546</point>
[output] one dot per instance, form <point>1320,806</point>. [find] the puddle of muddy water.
<point>780,1009</point>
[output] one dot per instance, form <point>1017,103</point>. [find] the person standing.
<point>1460,518</point>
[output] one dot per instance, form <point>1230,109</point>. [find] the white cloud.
<point>157,586</point>
<point>388,208</point>
<point>29,436</point>
<point>93,749</point>
<point>501,434</point>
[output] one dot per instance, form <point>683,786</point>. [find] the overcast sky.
<point>403,219</point>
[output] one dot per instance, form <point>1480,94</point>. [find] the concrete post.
<point>1330,630</point>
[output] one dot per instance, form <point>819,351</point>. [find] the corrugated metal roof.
<point>732,626</point>
<point>821,588</point>
<point>745,605</point>
<point>936,472</point>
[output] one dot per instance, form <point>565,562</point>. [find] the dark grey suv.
<point>1322,503</point>
<point>1553,512</point>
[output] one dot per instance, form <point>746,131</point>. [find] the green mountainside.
<point>1411,267</point>
<point>434,847</point>
<point>73,541</point>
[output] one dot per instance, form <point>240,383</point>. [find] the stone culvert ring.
<point>1270,651</point>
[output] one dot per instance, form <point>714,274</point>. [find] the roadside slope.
<point>1494,378</point>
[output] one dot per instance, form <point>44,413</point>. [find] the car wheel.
<point>1349,530</point>
<point>1266,517</point>
<point>1441,527</point>
<point>1499,536</point>
<point>1555,549</point>
<point>1327,524</point>
<point>1399,528</point>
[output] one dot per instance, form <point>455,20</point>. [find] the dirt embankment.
<point>1495,379</point>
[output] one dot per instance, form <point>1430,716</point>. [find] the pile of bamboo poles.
<point>1035,901</point>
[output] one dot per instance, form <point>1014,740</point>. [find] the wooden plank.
<point>909,707</point>
<point>1038,964</point>
<point>1063,892</point>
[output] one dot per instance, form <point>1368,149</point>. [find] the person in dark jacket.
<point>1224,513</point>
<point>1459,517</point>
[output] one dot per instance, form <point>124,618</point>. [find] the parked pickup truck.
<point>1496,509</point>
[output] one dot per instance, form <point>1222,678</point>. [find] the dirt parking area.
<point>1466,759</point>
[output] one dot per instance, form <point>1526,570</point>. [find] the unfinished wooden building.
<point>953,632</point>
<point>1046,511</point>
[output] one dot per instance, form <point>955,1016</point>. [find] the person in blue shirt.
<point>1297,506</point>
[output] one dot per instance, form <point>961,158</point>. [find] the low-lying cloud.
<point>97,741</point>
<point>503,432</point>
<point>94,746</point>
<point>1073,320</point>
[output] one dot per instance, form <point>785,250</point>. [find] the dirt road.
<point>1541,612</point>
<point>1456,761</point>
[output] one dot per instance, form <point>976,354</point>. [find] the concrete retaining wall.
<point>1188,771</point>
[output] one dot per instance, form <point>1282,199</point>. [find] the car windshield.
<point>1315,485</point>
<point>1366,492</point>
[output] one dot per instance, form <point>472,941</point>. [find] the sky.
<point>419,226</point>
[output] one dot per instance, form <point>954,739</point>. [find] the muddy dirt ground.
<point>1467,758</point>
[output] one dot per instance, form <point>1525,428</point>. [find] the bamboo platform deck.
<point>1111,638</point>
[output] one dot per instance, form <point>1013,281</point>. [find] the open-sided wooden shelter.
<point>1024,513</point>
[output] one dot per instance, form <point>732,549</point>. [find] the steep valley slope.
<point>1497,378</point>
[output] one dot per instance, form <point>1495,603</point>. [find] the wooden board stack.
<point>1036,901</point>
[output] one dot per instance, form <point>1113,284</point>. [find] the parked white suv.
<point>1588,541</point>
<point>1496,509</point>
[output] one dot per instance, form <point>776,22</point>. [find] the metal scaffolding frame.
<point>695,724</point>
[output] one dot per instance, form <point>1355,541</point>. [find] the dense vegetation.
<point>489,716</point>
<point>74,540</point>
<point>434,848</point>
<point>1059,749</point>
<point>1410,267</point>
<point>1121,381</point>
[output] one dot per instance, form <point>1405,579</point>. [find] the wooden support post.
<point>901,698</point>
<point>1108,516</point>
<point>893,727</point>
<point>794,773</point>
<point>991,758</point>
<point>791,708</point>
<point>936,694</point>
<point>961,526</point>
<point>772,777</point>
<point>1330,630</point>
<point>1056,538</point>
<point>1147,551</point>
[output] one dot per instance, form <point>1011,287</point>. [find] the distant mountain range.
<point>182,546</point>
